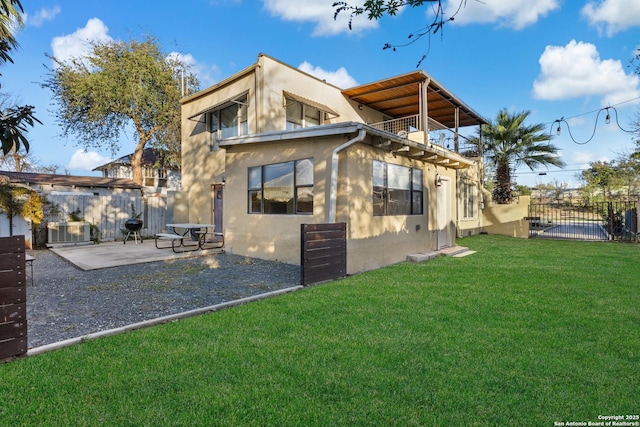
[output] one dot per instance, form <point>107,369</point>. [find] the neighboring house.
<point>271,148</point>
<point>104,202</point>
<point>160,174</point>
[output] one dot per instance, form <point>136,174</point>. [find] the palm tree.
<point>15,120</point>
<point>508,142</point>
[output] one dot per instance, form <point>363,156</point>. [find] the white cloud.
<point>320,13</point>
<point>87,160</point>
<point>613,16</point>
<point>340,77</point>
<point>576,70</point>
<point>583,158</point>
<point>41,16</point>
<point>207,75</point>
<point>515,14</point>
<point>78,43</point>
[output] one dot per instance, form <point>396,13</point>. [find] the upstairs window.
<point>300,115</point>
<point>281,188</point>
<point>149,177</point>
<point>302,112</point>
<point>162,177</point>
<point>230,119</point>
<point>397,190</point>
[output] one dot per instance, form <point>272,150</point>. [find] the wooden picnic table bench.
<point>191,237</point>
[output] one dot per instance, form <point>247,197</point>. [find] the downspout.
<point>333,186</point>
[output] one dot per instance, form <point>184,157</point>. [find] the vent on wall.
<point>68,233</point>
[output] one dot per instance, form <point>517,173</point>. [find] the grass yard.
<point>524,332</point>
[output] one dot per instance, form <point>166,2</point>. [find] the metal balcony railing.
<point>439,134</point>
<point>403,124</point>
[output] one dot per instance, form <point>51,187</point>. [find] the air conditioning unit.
<point>68,233</point>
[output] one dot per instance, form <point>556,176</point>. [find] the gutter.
<point>333,186</point>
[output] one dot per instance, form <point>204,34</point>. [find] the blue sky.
<point>557,58</point>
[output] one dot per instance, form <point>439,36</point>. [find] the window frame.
<point>149,176</point>
<point>301,121</point>
<point>469,200</point>
<point>257,202</point>
<point>239,117</point>
<point>408,189</point>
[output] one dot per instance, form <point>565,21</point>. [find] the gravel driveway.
<point>65,302</point>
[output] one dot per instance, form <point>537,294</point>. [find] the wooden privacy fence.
<point>324,252</point>
<point>109,212</point>
<point>13,297</point>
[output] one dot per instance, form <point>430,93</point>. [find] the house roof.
<point>150,157</point>
<point>400,96</point>
<point>69,180</point>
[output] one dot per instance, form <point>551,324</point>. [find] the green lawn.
<point>524,332</point>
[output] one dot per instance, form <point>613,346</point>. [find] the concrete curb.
<point>152,322</point>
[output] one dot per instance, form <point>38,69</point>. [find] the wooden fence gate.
<point>13,297</point>
<point>324,252</point>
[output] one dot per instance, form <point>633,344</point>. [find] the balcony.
<point>438,134</point>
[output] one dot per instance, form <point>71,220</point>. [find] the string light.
<point>607,120</point>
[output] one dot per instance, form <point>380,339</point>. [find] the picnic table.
<point>191,237</point>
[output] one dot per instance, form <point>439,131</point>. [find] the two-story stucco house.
<point>271,147</point>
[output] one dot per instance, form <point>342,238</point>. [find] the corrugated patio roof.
<point>69,180</point>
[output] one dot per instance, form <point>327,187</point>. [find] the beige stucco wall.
<point>274,237</point>
<point>508,220</point>
<point>382,240</point>
<point>372,241</point>
<point>275,77</point>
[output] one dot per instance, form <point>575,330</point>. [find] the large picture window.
<point>281,188</point>
<point>397,190</point>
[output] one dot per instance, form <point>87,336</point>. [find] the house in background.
<point>160,174</point>
<point>271,148</point>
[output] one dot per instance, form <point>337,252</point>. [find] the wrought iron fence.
<point>613,220</point>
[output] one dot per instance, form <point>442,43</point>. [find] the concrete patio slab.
<point>114,254</point>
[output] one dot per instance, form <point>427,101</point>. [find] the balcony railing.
<point>403,124</point>
<point>439,134</point>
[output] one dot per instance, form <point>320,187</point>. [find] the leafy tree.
<point>14,120</point>
<point>622,174</point>
<point>508,143</point>
<point>523,190</point>
<point>17,200</point>
<point>629,169</point>
<point>602,175</point>
<point>116,86</point>
<point>635,62</point>
<point>377,9</point>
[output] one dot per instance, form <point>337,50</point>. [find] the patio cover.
<point>400,96</point>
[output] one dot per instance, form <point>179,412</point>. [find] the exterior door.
<point>445,219</point>
<point>217,207</point>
